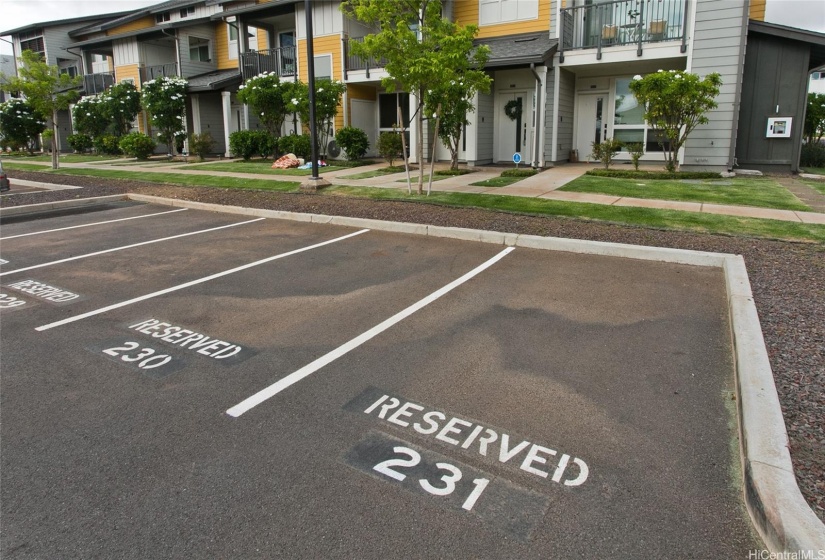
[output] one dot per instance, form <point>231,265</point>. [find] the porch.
<point>280,60</point>
<point>148,73</point>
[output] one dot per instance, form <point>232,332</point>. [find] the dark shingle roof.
<point>95,18</point>
<point>214,80</point>
<point>518,50</point>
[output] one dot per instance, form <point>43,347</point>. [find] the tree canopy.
<point>270,98</point>
<point>20,124</point>
<point>815,117</point>
<point>45,89</point>
<point>675,103</point>
<point>164,99</point>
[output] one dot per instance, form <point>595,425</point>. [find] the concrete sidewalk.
<point>543,185</point>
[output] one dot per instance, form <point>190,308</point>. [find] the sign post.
<point>517,159</point>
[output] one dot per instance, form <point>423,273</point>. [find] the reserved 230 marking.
<point>138,355</point>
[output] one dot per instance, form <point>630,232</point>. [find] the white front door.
<point>515,135</point>
<point>592,126</point>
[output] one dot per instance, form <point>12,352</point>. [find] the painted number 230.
<point>448,480</point>
<point>146,358</point>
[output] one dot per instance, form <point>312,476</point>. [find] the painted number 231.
<point>448,480</point>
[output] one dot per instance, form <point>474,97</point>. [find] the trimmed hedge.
<point>630,174</point>
<point>137,145</point>
<point>518,172</point>
<point>452,172</point>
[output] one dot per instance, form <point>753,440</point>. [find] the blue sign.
<point>516,158</point>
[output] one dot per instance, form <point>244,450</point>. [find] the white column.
<point>196,113</point>
<point>413,128</point>
<point>471,134</point>
<point>226,103</point>
<point>541,107</point>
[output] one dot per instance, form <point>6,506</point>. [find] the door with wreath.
<point>515,129</point>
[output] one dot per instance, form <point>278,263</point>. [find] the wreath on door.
<point>513,109</point>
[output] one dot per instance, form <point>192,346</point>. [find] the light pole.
<point>314,182</point>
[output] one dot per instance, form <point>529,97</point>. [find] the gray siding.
<point>64,129</point>
<point>717,45</point>
<point>776,75</point>
<point>484,119</point>
<point>56,38</point>
<point>193,68</point>
<point>211,116</point>
<point>567,94</point>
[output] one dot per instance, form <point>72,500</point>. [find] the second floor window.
<point>163,17</point>
<point>233,41</point>
<point>33,41</point>
<point>70,70</point>
<point>198,49</point>
<point>491,12</point>
<point>186,12</point>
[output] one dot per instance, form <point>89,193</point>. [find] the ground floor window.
<point>629,125</point>
<point>388,113</point>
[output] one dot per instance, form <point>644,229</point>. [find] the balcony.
<point>98,82</point>
<point>282,61</point>
<point>353,62</point>
<point>148,73</point>
<point>622,22</point>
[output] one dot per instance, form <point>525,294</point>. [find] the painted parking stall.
<point>416,396</point>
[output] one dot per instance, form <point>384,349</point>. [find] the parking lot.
<point>180,383</point>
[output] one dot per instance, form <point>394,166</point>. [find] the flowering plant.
<point>164,99</point>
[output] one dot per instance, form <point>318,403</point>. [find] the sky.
<point>805,14</point>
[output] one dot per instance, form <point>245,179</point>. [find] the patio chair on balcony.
<point>610,34</point>
<point>657,30</point>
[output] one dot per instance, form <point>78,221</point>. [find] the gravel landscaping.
<point>788,281</point>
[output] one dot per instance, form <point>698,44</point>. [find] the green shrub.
<point>813,155</point>
<point>518,172</point>
<point>298,144</point>
<point>606,151</point>
<point>630,174</point>
<point>390,147</point>
<point>137,145</point>
<point>354,141</point>
<point>636,151</point>
<point>107,144</point>
<point>243,143</point>
<point>453,172</point>
<point>80,142</point>
<point>267,144</point>
<point>201,144</point>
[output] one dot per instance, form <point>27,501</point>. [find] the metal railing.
<point>159,70</point>
<point>622,22</point>
<point>353,62</point>
<point>98,83</point>
<point>282,61</point>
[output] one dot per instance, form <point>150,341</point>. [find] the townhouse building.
<point>566,63</point>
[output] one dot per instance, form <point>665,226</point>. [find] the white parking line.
<point>127,247</point>
<point>193,282</point>
<point>94,224</point>
<point>311,368</point>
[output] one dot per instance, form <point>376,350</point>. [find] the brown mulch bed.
<point>788,281</point>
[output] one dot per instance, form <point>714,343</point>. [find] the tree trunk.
<point>419,140</point>
<point>55,161</point>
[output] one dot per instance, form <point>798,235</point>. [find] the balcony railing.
<point>98,83</point>
<point>622,22</point>
<point>282,61</point>
<point>159,70</point>
<point>353,62</point>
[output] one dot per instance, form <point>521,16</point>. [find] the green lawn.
<point>180,179</point>
<point>8,165</point>
<point>497,182</point>
<point>814,170</point>
<point>414,178</point>
<point>644,217</point>
<point>816,185</point>
<point>377,172</point>
<point>263,166</point>
<point>759,192</point>
<point>64,158</point>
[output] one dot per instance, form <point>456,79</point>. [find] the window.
<point>388,113</point>
<point>70,70</point>
<point>818,76</point>
<point>163,17</point>
<point>186,12</point>
<point>33,41</point>
<point>232,31</point>
<point>491,12</point>
<point>198,49</point>
<point>323,67</point>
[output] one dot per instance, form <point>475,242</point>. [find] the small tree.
<point>20,124</point>
<point>815,118</point>
<point>121,105</point>
<point>636,151</point>
<point>271,99</point>
<point>606,150</point>
<point>46,89</point>
<point>90,117</point>
<point>390,146</point>
<point>354,141</point>
<point>675,103</point>
<point>164,99</point>
<point>327,100</point>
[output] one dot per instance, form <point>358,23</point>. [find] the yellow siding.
<point>465,12</point>
<point>222,48</point>
<point>263,39</point>
<point>331,44</point>
<point>757,10</point>
<point>142,23</point>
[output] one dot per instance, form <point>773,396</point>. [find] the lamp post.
<point>314,182</point>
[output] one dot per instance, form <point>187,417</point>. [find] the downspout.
<point>538,115</point>
<point>737,98</point>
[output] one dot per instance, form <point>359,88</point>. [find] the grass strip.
<point>377,173</point>
<point>644,217</point>
<point>262,167</point>
<point>760,193</point>
<point>497,182</point>
<point>64,158</point>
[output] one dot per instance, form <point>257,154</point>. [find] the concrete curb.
<point>45,207</point>
<point>777,508</point>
